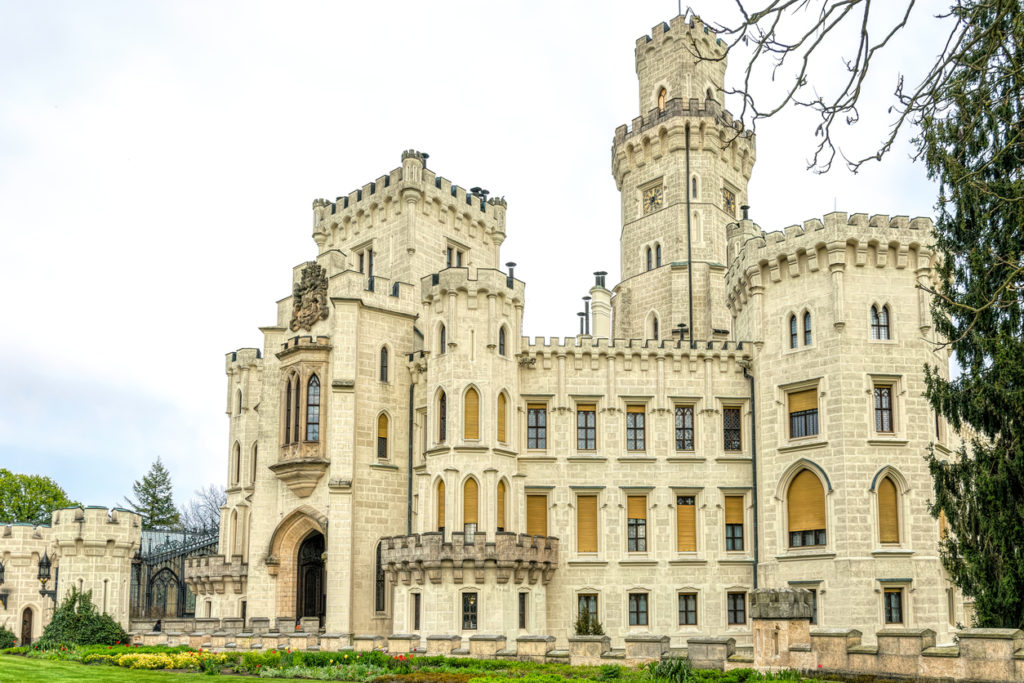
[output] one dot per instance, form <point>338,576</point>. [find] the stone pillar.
<point>485,647</point>
<point>534,648</point>
<point>899,649</point>
<point>781,622</point>
<point>643,648</point>
<point>710,653</point>
<point>587,650</point>
<point>988,653</point>
<point>443,645</point>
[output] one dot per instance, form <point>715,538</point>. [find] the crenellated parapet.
<point>244,358</point>
<point>436,287</point>
<point>427,557</point>
<point>542,349</point>
<point>839,242</point>
<point>216,575</point>
<point>96,531</point>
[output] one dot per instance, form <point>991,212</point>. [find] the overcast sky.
<point>158,161</point>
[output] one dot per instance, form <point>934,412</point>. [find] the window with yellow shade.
<point>686,524</point>
<point>502,496</point>
<point>888,512</point>
<point>536,514</point>
<point>471,415</point>
<point>586,523</point>
<point>806,507</point>
<point>470,505</point>
<point>502,418</point>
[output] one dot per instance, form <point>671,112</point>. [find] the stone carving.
<point>309,298</point>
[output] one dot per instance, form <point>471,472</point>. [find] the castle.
<point>743,410</point>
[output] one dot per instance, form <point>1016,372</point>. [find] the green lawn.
<point>15,669</point>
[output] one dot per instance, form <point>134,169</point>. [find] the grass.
<point>15,669</point>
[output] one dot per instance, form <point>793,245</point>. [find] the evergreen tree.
<point>154,498</point>
<point>973,144</point>
<point>30,498</point>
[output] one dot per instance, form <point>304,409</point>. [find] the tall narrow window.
<point>501,341</point>
<point>382,436</point>
<point>296,411</point>
<point>888,512</point>
<point>443,345</point>
<point>814,605</point>
<point>657,256</point>
<point>807,329</point>
<point>806,507</point>
<point>255,450</point>
<point>731,429</point>
<point>237,474</point>
<point>586,524</point>
<point>502,418</point>
<point>693,187</point>
<point>440,506</point>
<point>469,611</point>
<point>686,524</point>
<point>803,413</point>
<point>380,585</point>
<point>522,609</point>
<point>288,414</point>
<point>734,522</point>
<point>586,426</point>
<point>449,257</point>
<point>883,408</point>
<point>654,328</point>
<point>650,260</point>
<point>687,609</point>
<point>442,418</point>
<point>536,426</point>
<point>894,605</point>
<point>684,428</point>
<point>471,415</point>
<point>638,609</point>
<point>238,402</point>
<point>737,606</point>
<point>880,322</point>
<point>662,98</point>
<point>470,504</point>
<point>416,609</point>
<point>313,409</point>
<point>635,428</point>
<point>792,332</point>
<point>384,364</point>
<point>537,515</point>
<point>502,495</point>
<point>636,524</point>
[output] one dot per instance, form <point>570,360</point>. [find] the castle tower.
<point>682,170</point>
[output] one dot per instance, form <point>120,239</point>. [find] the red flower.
<point>110,647</point>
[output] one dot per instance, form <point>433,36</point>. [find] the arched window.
<point>238,402</point>
<point>693,187</point>
<point>502,418</point>
<point>501,341</point>
<point>471,415</point>
<point>654,328</point>
<point>379,585</point>
<point>382,436</point>
<point>470,503</point>
<point>384,364</point>
<point>313,410</point>
<point>296,434</point>
<point>502,492</point>
<point>662,98</point>
<point>793,339</point>
<point>236,474</point>
<point>806,506</point>
<point>440,506</point>
<point>255,450</point>
<point>288,413</point>
<point>657,256</point>
<point>710,96</point>
<point>650,261</point>
<point>807,328</point>
<point>442,418</point>
<point>880,322</point>
<point>443,340</point>
<point>888,512</point>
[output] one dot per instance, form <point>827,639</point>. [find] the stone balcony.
<point>216,574</point>
<point>426,557</point>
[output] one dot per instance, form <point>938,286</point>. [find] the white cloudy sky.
<point>158,161</point>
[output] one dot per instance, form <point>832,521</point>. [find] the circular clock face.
<point>652,199</point>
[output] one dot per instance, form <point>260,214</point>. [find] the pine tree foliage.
<point>973,144</point>
<point>154,498</point>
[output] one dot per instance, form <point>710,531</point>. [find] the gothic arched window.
<point>384,364</point>
<point>379,585</point>
<point>880,322</point>
<point>657,256</point>
<point>288,413</point>
<point>501,341</point>
<point>807,329</point>
<point>793,338</point>
<point>442,418</point>
<point>662,99</point>
<point>650,261</point>
<point>313,409</point>
<point>443,340</point>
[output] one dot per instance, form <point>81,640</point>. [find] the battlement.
<point>695,29</point>
<point>96,516</point>
<point>677,106</point>
<point>669,348</point>
<point>14,533</point>
<point>412,175</point>
<point>243,358</point>
<point>487,281</point>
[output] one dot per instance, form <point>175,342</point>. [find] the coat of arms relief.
<point>309,298</point>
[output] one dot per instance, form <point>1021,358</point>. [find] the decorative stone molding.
<point>301,475</point>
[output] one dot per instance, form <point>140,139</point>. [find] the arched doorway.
<point>26,626</point>
<point>310,596</point>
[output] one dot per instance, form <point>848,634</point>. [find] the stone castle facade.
<point>743,410</point>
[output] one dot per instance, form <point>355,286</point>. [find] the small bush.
<point>588,625</point>
<point>76,622</point>
<point>7,638</point>
<point>610,672</point>
<point>675,670</point>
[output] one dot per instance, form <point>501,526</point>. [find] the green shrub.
<point>76,622</point>
<point>610,672</point>
<point>7,638</point>
<point>588,625</point>
<point>674,669</point>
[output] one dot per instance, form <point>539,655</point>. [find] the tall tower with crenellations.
<point>682,169</point>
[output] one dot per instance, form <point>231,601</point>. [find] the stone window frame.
<point>890,327</point>
<point>236,464</point>
<point>481,503</point>
<point>480,412</point>
<point>648,594</point>
<point>698,593</point>
<point>384,364</point>
<point>576,492</point>
<point>692,405</point>
<point>524,619</point>
<point>413,626</point>
<point>784,390</point>
<point>586,400</point>
<point>508,417</point>
<point>745,493</point>
<point>736,590</point>
<point>536,400</point>
<point>476,591</point>
<point>441,419</point>
<point>456,254</point>
<point>796,315</point>
<point>649,528</point>
<point>740,404</point>
<point>902,509</point>
<point>905,586</point>
<point>782,495</point>
<point>588,591</point>
<point>388,439</point>
<point>897,407</point>
<point>697,493</point>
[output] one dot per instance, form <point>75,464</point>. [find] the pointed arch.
<point>502,503</point>
<point>238,402</point>
<point>470,501</point>
<point>439,494</point>
<point>236,463</point>
<point>442,337</point>
<point>502,417</point>
<point>652,326</point>
<point>880,328</point>
<point>287,401</point>
<point>657,255</point>
<point>382,436</point>
<point>384,364</point>
<point>649,259</point>
<point>253,462</point>
<point>807,328</point>
<point>888,511</point>
<point>693,187</point>
<point>379,583</point>
<point>313,409</point>
<point>297,524</point>
<point>233,534</point>
<point>805,510</point>
<point>793,337</point>
<point>442,416</point>
<point>471,414</point>
<point>501,341</point>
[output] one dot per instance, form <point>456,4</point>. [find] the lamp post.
<point>3,594</point>
<point>44,576</point>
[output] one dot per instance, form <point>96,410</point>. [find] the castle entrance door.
<point>311,595</point>
<point>26,626</point>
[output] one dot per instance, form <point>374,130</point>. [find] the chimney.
<point>601,306</point>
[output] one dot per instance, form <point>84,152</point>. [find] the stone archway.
<point>311,593</point>
<point>283,556</point>
<point>26,626</point>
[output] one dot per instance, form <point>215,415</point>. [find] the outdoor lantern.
<point>44,569</point>
<point>1,573</point>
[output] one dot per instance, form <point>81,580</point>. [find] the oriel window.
<point>313,410</point>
